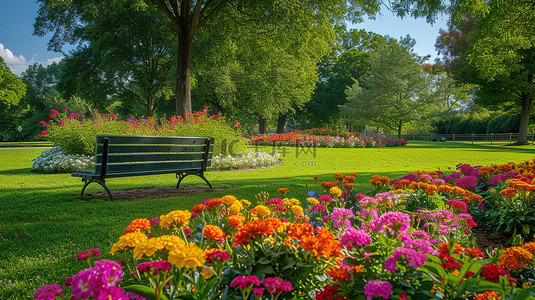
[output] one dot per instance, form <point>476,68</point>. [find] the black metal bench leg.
<point>101,183</point>
<point>180,176</point>
<point>203,178</point>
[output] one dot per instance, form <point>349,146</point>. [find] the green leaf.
<point>265,269</point>
<point>144,291</point>
<point>264,261</point>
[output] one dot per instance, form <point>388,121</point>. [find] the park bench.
<point>125,156</point>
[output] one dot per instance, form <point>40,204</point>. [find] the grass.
<point>43,223</point>
<point>26,144</point>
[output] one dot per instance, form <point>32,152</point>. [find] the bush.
<point>76,134</point>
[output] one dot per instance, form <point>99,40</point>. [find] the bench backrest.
<point>130,154</point>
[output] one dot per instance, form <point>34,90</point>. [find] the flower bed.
<point>411,238</point>
<point>311,138</point>
<point>56,160</point>
<point>76,134</point>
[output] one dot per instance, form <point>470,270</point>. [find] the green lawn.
<point>25,144</point>
<point>43,223</point>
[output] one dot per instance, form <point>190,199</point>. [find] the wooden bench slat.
<point>124,158</point>
<point>152,149</point>
<point>129,139</point>
<point>134,167</point>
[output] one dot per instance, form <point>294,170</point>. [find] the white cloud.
<point>19,64</point>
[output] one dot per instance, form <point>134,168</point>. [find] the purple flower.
<point>394,222</point>
<point>87,254</point>
<point>378,288</point>
<point>412,257</point>
<point>112,292</point>
<point>110,273</point>
<point>48,292</point>
<point>154,222</point>
<point>154,266</point>
<point>481,205</point>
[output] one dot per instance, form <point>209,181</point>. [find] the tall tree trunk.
<point>527,100</point>
<point>150,105</point>
<point>280,123</point>
<point>262,125</point>
<point>399,130</point>
<point>183,78</point>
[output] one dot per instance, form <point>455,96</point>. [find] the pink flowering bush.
<point>76,134</point>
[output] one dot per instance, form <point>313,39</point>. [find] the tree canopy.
<point>12,89</point>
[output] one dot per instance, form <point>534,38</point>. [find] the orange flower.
<point>349,186</point>
<point>509,192</point>
<point>328,185</point>
<point>338,176</point>
<point>198,208</point>
<point>488,295</point>
<point>252,229</point>
<point>213,232</point>
<point>474,252</point>
<point>513,258</point>
<point>316,178</point>
<point>236,221</point>
<point>283,190</point>
<point>138,224</point>
<point>339,274</point>
<point>212,203</point>
<point>530,247</point>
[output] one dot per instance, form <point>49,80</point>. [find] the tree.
<point>392,93</point>
<point>496,52</point>
<point>12,89</point>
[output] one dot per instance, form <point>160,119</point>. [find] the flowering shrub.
<point>329,246</point>
<point>76,134</point>
<point>304,138</point>
<point>57,161</point>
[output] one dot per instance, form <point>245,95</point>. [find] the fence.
<point>490,137</point>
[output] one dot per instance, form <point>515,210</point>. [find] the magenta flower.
<point>48,292</point>
<point>258,291</point>
<point>83,284</point>
<point>154,266</point>
<point>112,292</point>
<point>244,282</point>
<point>87,254</point>
<point>276,285</point>
<point>275,201</point>
<point>378,288</point>
<point>412,257</point>
<point>109,272</point>
<point>325,198</point>
<point>393,222</point>
<point>353,238</point>
<point>217,254</point>
<point>154,222</point>
<point>317,207</point>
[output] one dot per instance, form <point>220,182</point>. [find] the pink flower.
<point>54,111</point>
<point>341,216</point>
<point>353,237</point>
<point>378,288</point>
<point>258,291</point>
<point>87,254</point>
<point>393,222</point>
<point>110,272</point>
<point>412,257</point>
<point>217,254</point>
<point>113,292</point>
<point>48,292</point>
<point>244,282</point>
<point>460,205</point>
<point>154,222</point>
<point>276,285</point>
<point>325,198</point>
<point>205,107</point>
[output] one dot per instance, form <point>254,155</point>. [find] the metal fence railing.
<point>490,137</point>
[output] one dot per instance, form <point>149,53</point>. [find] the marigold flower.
<point>199,208</point>
<point>336,191</point>
<point>177,218</point>
<point>349,186</point>
<point>228,200</point>
<point>513,258</point>
<point>148,248</point>
<point>339,273</point>
<point>236,221</point>
<point>297,210</point>
<point>213,232</point>
<point>189,256</point>
<point>313,201</point>
<point>509,192</point>
<point>138,224</point>
<point>338,176</point>
<point>316,178</point>
<point>170,242</point>
<point>249,230</point>
<point>235,208</point>
<point>129,240</point>
<point>213,203</point>
<point>283,190</point>
<point>488,295</point>
<point>530,247</point>
<point>262,210</point>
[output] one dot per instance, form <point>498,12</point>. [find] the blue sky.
<point>20,48</point>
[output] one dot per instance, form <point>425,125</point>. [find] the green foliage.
<point>393,93</point>
<point>503,124</point>
<point>11,87</point>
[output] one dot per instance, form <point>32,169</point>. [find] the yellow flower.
<point>228,200</point>
<point>148,248</point>
<point>526,285</point>
<point>177,218</point>
<point>129,240</point>
<point>235,208</point>
<point>171,242</point>
<point>262,210</point>
<point>207,273</point>
<point>336,191</point>
<point>313,201</point>
<point>245,202</point>
<point>290,202</point>
<point>189,256</point>
<point>297,210</point>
